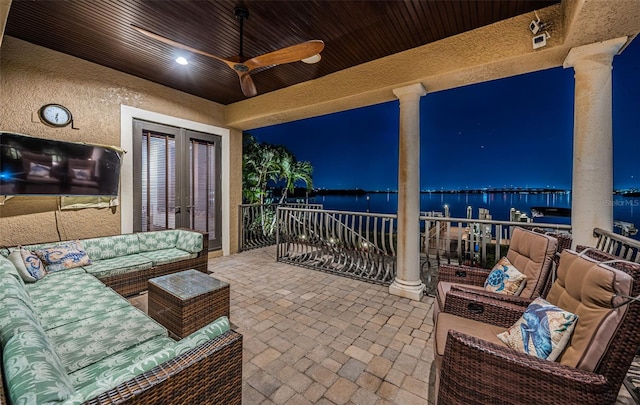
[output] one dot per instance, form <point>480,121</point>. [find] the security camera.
<point>540,40</point>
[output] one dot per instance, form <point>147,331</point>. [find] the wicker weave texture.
<point>474,371</point>
<point>183,317</point>
<point>208,374</point>
<point>462,274</point>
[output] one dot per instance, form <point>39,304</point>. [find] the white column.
<point>407,283</point>
<point>592,188</point>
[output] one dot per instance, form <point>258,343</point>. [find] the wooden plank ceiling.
<point>354,32</point>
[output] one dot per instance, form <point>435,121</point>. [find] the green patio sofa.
<point>68,338</point>
<point>126,262</point>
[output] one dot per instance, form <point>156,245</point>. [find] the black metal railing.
<point>364,245</point>
<point>258,225</point>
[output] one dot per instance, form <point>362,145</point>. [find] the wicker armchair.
<point>474,367</point>
<point>532,253</point>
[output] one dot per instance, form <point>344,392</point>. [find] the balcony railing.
<point>364,245</point>
<point>618,245</point>
<point>353,244</point>
<point>258,223</point>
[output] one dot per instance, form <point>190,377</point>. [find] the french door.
<point>177,177</point>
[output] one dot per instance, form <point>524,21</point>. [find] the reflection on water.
<point>499,204</point>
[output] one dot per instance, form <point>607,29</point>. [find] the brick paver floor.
<point>315,338</point>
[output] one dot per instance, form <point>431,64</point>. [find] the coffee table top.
<point>188,284</point>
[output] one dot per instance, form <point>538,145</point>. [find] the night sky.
<point>510,132</point>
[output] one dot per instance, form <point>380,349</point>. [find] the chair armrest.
<point>478,307</point>
<point>475,371</point>
<point>462,274</point>
<point>511,299</point>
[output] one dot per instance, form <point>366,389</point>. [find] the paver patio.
<point>316,338</point>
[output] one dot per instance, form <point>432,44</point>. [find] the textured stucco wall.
<point>31,76</point>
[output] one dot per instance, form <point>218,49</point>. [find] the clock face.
<point>55,115</point>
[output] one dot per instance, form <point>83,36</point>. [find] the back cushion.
<point>109,247</point>
<point>587,289</point>
<point>157,240</point>
<point>532,253</point>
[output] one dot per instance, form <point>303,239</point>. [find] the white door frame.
<point>127,115</point>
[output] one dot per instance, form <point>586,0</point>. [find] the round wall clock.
<point>55,115</point>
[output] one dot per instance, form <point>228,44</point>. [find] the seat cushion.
<point>165,256</point>
<point>119,361</point>
<point>87,341</point>
<point>62,286</point>
<point>448,322</point>
<point>532,253</point>
<point>587,288</point>
<point>118,265</point>
<point>54,313</point>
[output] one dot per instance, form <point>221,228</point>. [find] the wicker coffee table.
<point>186,301</point>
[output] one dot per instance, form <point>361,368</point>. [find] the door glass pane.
<point>202,179</point>
<point>158,181</point>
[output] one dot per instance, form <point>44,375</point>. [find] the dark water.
<point>499,204</point>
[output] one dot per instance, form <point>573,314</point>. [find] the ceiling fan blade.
<point>289,54</point>
<point>171,42</point>
<point>247,85</point>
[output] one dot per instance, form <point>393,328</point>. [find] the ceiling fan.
<point>308,51</point>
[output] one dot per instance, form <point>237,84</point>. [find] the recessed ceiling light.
<point>312,59</point>
<point>182,60</point>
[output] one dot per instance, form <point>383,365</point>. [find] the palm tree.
<point>292,171</point>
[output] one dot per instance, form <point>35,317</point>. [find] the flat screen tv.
<point>35,166</point>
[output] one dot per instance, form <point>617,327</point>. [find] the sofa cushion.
<point>165,256</point>
<point>119,361</point>
<point>588,288</point>
<point>28,265</point>
<point>57,312</point>
<point>112,379</point>
<point>109,247</point>
<point>11,287</point>
<point>63,256</point>
<point>16,317</point>
<point>33,371</point>
<point>190,241</point>
<point>447,322</point>
<point>150,241</point>
<point>87,341</point>
<point>202,335</point>
<point>118,265</point>
<point>6,267</point>
<point>62,286</point>
<point>532,253</point>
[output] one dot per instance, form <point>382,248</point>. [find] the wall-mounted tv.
<point>35,166</point>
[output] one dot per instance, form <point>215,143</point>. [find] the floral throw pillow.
<point>543,330</point>
<point>28,265</point>
<point>505,279</point>
<point>64,256</point>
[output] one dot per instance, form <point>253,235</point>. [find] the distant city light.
<point>182,60</point>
